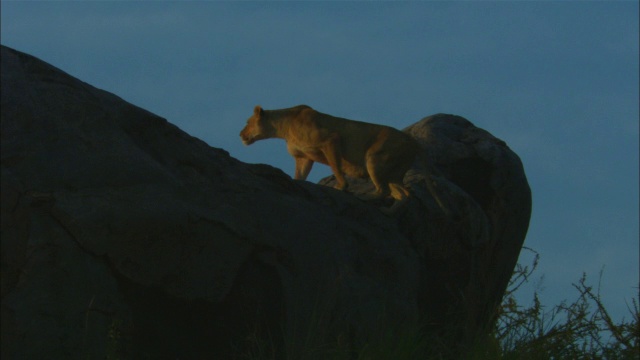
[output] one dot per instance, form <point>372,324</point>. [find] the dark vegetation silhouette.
<point>581,328</point>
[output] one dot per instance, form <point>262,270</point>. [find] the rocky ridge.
<point>123,234</point>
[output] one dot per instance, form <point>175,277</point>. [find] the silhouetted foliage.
<point>578,329</point>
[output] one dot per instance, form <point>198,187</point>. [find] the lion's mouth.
<point>247,140</point>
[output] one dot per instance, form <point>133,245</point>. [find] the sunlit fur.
<point>353,148</point>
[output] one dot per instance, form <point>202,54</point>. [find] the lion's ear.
<point>257,110</point>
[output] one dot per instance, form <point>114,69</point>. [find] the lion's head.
<point>256,128</point>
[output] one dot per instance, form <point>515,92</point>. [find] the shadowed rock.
<point>121,234</point>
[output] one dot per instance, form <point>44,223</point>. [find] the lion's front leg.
<point>333,154</point>
<point>303,167</point>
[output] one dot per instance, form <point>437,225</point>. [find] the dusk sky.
<point>558,81</point>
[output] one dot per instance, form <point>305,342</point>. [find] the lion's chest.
<point>308,152</point>
<point>351,166</point>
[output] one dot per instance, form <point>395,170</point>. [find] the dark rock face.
<point>121,234</point>
<point>467,256</point>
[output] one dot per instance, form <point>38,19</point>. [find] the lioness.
<point>354,148</point>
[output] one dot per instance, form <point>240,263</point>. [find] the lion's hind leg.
<point>381,185</point>
<point>380,193</point>
<point>400,194</point>
<point>398,191</point>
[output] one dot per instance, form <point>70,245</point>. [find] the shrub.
<point>580,329</point>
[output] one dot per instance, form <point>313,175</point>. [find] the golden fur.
<point>353,148</point>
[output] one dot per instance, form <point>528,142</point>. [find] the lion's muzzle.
<point>247,140</point>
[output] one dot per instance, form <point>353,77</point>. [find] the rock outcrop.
<point>121,234</point>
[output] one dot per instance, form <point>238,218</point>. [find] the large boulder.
<point>469,248</point>
<point>124,236</point>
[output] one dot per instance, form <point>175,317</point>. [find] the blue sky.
<point>558,81</point>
